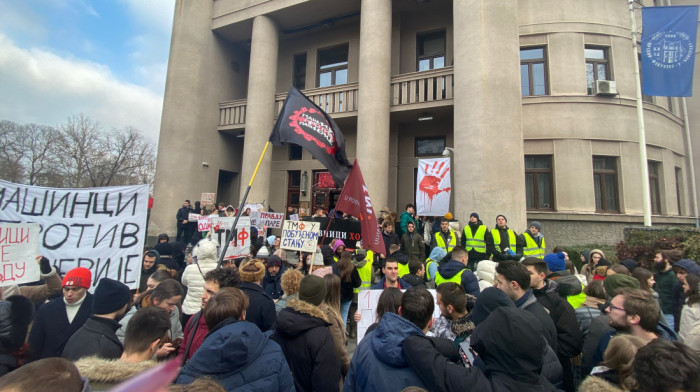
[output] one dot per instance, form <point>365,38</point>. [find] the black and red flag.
<point>303,123</point>
<point>354,200</point>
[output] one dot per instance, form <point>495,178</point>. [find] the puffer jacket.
<point>468,281</point>
<point>240,357</point>
<point>193,276</point>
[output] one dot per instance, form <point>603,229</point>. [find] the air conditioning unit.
<point>605,87</point>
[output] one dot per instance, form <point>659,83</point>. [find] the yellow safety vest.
<point>576,300</point>
<point>440,280</point>
<point>497,240</point>
<point>403,269</point>
<point>365,275</point>
<point>476,242</point>
<point>531,249</point>
<point>440,242</point>
<point>428,262</point>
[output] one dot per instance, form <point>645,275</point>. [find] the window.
<point>605,183</point>
<point>538,182</point>
<point>333,66</point>
<point>299,77</point>
<point>597,66</point>
<point>533,71</point>
<point>679,190</point>
<point>654,187</point>
<point>429,146</point>
<point>431,51</point>
<point>294,152</point>
<point>670,104</point>
<point>645,98</point>
<point>293,188</point>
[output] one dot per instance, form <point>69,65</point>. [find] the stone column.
<point>374,98</point>
<point>260,111</point>
<point>488,159</point>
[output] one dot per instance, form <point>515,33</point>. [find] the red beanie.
<point>80,277</point>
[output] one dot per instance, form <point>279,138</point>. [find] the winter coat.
<point>529,302</point>
<point>690,317</point>
<point>414,280</point>
<point>587,312</point>
<point>302,331</point>
<point>282,302</point>
<point>597,384</point>
<point>405,218</point>
<point>455,330</point>
<point>692,338</point>
<point>347,287</point>
<point>97,337</point>
<point>380,285</point>
<point>51,286</point>
<point>486,273</point>
<point>173,333</point>
<point>340,340</point>
<point>389,239</point>
<point>241,358</point>
<point>378,363</point>
<point>664,286</point>
<point>273,284</point>
<point>413,246</point>
<point>104,374</point>
<point>468,281</point>
<point>193,276</point>
<point>51,329</point>
<point>196,325</point>
<point>261,309</point>
<point>569,338</point>
<point>598,327</point>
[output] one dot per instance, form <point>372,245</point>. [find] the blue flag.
<point>668,50</point>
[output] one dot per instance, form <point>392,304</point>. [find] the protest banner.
<point>221,225</point>
<point>367,306</point>
<point>102,229</point>
<point>253,207</point>
<point>208,198</point>
<point>19,246</point>
<point>272,220</point>
<point>203,223</point>
<point>300,236</point>
<point>433,187</point>
<point>239,246</point>
<point>348,230</point>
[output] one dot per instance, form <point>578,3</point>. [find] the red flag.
<point>354,200</point>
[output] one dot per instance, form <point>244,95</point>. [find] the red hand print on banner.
<point>430,184</point>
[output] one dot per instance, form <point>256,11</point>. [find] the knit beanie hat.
<point>504,217</point>
<point>556,261</point>
<point>537,225</point>
<point>448,216</point>
<point>273,261</point>
<point>600,252</point>
<point>312,289</point>
<point>80,277</point>
<point>338,244</point>
<point>263,253</point>
<point>630,264</point>
<point>271,240</point>
<point>110,296</point>
<point>475,215</point>
<point>252,271</point>
<point>612,283</point>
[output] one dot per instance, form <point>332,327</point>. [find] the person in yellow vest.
<point>362,259</point>
<point>396,253</point>
<point>474,240</point>
<point>456,271</point>
<point>446,238</point>
<point>533,241</point>
<point>503,243</point>
<point>431,264</point>
<point>567,285</point>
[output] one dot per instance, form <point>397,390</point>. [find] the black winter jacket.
<point>261,310</point>
<point>97,337</point>
<point>51,329</point>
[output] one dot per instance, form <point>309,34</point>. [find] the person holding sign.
<point>51,286</point>
<point>58,320</point>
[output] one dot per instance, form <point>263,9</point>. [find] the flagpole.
<point>646,193</point>
<point>325,232</point>
<point>240,208</point>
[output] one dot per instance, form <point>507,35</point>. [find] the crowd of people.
<point>512,316</point>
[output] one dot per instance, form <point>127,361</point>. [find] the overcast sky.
<point>106,59</point>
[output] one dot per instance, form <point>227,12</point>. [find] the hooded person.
<point>681,268</point>
<point>16,314</point>
<point>149,265</point>
<point>364,268</point>
<point>193,276</point>
<point>302,332</point>
<point>272,283</point>
<point>568,286</point>
<point>261,311</point>
<point>431,265</point>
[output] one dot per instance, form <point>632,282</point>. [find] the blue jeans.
<point>344,310</point>
<point>669,320</point>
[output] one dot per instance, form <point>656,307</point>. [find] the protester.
<point>474,240</point>
<point>61,374</point>
<point>148,267</point>
<point>533,240</point>
<point>37,293</point>
<point>455,321</point>
<point>560,280</point>
<point>408,216</point>
<point>456,271</point>
<point>503,244</point>
<point>388,302</point>
<point>193,277</point>
<point>690,316</point>
<point>261,311</point>
<point>412,243</point>
<point>290,285</point>
<point>16,315</point>
<point>331,307</point>
<point>646,280</point>
<point>416,277</point>
<point>182,217</point>
<point>445,238</point>
<point>389,237</point>
<point>665,281</point>
<point>58,320</point>
<point>151,283</point>
<point>350,280</point>
<point>433,261</point>
<point>663,366</point>
<point>362,260</point>
<point>594,257</point>
<point>391,277</point>
<point>591,307</point>
<point>97,337</point>
<point>236,352</point>
<point>486,273</point>
<point>396,253</point>
<point>273,275</point>
<point>338,247</point>
<point>615,372</point>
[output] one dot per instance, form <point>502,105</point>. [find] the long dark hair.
<point>642,275</point>
<point>346,266</point>
<point>694,285</point>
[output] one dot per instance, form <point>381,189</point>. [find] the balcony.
<point>410,91</point>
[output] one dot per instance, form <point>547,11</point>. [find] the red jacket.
<point>200,332</point>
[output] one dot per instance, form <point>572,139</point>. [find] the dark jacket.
<point>240,357</point>
<point>346,288</point>
<point>529,302</point>
<point>475,256</point>
<point>498,250</point>
<point>413,245</point>
<point>380,285</point>
<point>399,256</point>
<point>564,284</point>
<point>389,240</point>
<point>664,286</point>
<point>261,309</point>
<point>51,329</point>
<point>182,214</point>
<point>97,337</point>
<point>273,284</point>
<point>569,338</point>
<point>302,331</point>
<point>468,281</point>
<point>378,363</point>
<point>414,280</point>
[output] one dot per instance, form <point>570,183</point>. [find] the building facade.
<point>536,97</point>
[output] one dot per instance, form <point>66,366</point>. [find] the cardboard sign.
<point>102,229</point>
<point>242,248</point>
<point>208,198</point>
<point>294,217</point>
<point>254,207</point>
<point>300,236</point>
<point>19,246</point>
<point>192,217</point>
<point>203,223</point>
<point>272,220</point>
<point>367,306</point>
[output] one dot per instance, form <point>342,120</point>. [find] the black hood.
<point>489,300</point>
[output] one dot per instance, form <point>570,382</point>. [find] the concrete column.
<point>488,159</point>
<point>374,98</point>
<point>260,113</point>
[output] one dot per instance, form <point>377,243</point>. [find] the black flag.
<point>303,123</point>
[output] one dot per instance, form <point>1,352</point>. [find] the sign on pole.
<point>19,246</point>
<point>300,236</point>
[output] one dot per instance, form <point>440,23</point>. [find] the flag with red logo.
<point>354,200</point>
<point>303,123</point>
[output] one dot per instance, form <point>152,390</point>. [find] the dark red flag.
<point>354,200</point>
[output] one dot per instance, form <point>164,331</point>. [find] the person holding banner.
<point>51,286</point>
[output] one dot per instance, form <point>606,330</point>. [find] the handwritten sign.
<point>19,246</point>
<point>242,249</point>
<point>270,219</point>
<point>222,226</point>
<point>203,223</point>
<point>192,217</point>
<point>367,306</point>
<point>254,207</point>
<point>294,217</point>
<point>102,229</point>
<point>208,198</point>
<point>300,236</point>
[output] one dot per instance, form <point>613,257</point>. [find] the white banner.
<point>19,246</point>
<point>272,220</point>
<point>300,235</point>
<point>103,229</point>
<point>433,187</point>
<point>367,306</point>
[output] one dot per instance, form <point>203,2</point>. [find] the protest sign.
<point>192,217</point>
<point>348,230</point>
<point>254,207</point>
<point>222,226</point>
<point>102,229</point>
<point>272,220</point>
<point>19,246</point>
<point>208,198</point>
<point>203,223</point>
<point>367,306</point>
<point>300,236</point>
<point>294,217</point>
<point>242,247</point>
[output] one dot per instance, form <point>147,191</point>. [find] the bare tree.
<point>41,155</point>
<point>12,151</point>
